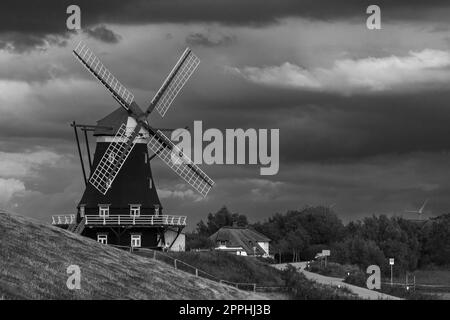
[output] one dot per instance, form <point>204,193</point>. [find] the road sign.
<point>325,253</point>
<point>391,261</point>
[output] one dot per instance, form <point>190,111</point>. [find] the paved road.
<point>338,282</point>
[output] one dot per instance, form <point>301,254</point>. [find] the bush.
<point>358,278</point>
<point>198,241</point>
<point>267,260</point>
<point>407,294</point>
<point>304,289</point>
<point>333,269</point>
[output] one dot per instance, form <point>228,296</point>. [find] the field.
<point>436,277</point>
<point>34,258</point>
<point>432,281</point>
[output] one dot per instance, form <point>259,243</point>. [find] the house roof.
<point>240,237</point>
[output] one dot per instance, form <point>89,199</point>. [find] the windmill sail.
<point>123,143</point>
<point>180,163</point>
<point>113,159</point>
<point>173,84</point>
<point>96,67</point>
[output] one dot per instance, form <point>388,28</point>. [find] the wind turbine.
<point>420,211</point>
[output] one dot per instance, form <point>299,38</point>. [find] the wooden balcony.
<point>63,219</point>
<point>127,220</point>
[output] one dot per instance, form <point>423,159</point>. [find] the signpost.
<point>391,263</point>
<point>326,253</point>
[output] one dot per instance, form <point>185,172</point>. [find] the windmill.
<point>125,139</point>
<point>120,204</point>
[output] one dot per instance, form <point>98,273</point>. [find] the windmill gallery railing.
<point>136,220</point>
<point>63,219</point>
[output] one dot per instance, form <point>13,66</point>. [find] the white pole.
<point>392,282</point>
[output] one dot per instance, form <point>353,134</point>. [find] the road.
<point>338,282</point>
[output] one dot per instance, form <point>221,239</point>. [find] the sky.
<point>363,114</point>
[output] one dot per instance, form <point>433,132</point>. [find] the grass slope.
<point>34,258</point>
<point>232,268</point>
<point>241,269</point>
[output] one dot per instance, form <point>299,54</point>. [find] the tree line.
<point>298,235</point>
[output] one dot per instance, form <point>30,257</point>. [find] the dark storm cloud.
<point>22,42</point>
<point>18,42</point>
<point>331,127</point>
<point>39,19</point>
<point>319,126</point>
<point>359,127</point>
<point>102,33</point>
<point>314,126</point>
<point>205,40</point>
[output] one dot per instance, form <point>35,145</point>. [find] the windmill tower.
<point>120,204</point>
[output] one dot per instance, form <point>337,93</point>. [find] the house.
<point>241,241</point>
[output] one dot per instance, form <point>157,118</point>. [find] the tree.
<point>297,241</point>
<point>321,223</point>
<point>436,242</point>
<point>195,240</point>
<point>221,218</point>
<point>300,233</point>
<point>364,252</point>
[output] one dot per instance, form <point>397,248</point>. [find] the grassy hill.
<point>233,268</point>
<point>34,257</point>
<point>251,270</point>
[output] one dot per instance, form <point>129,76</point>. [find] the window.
<point>156,210</point>
<point>135,210</point>
<point>102,238</point>
<point>103,210</point>
<point>150,183</point>
<point>135,240</point>
<point>145,157</point>
<point>81,211</point>
<point>222,243</point>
